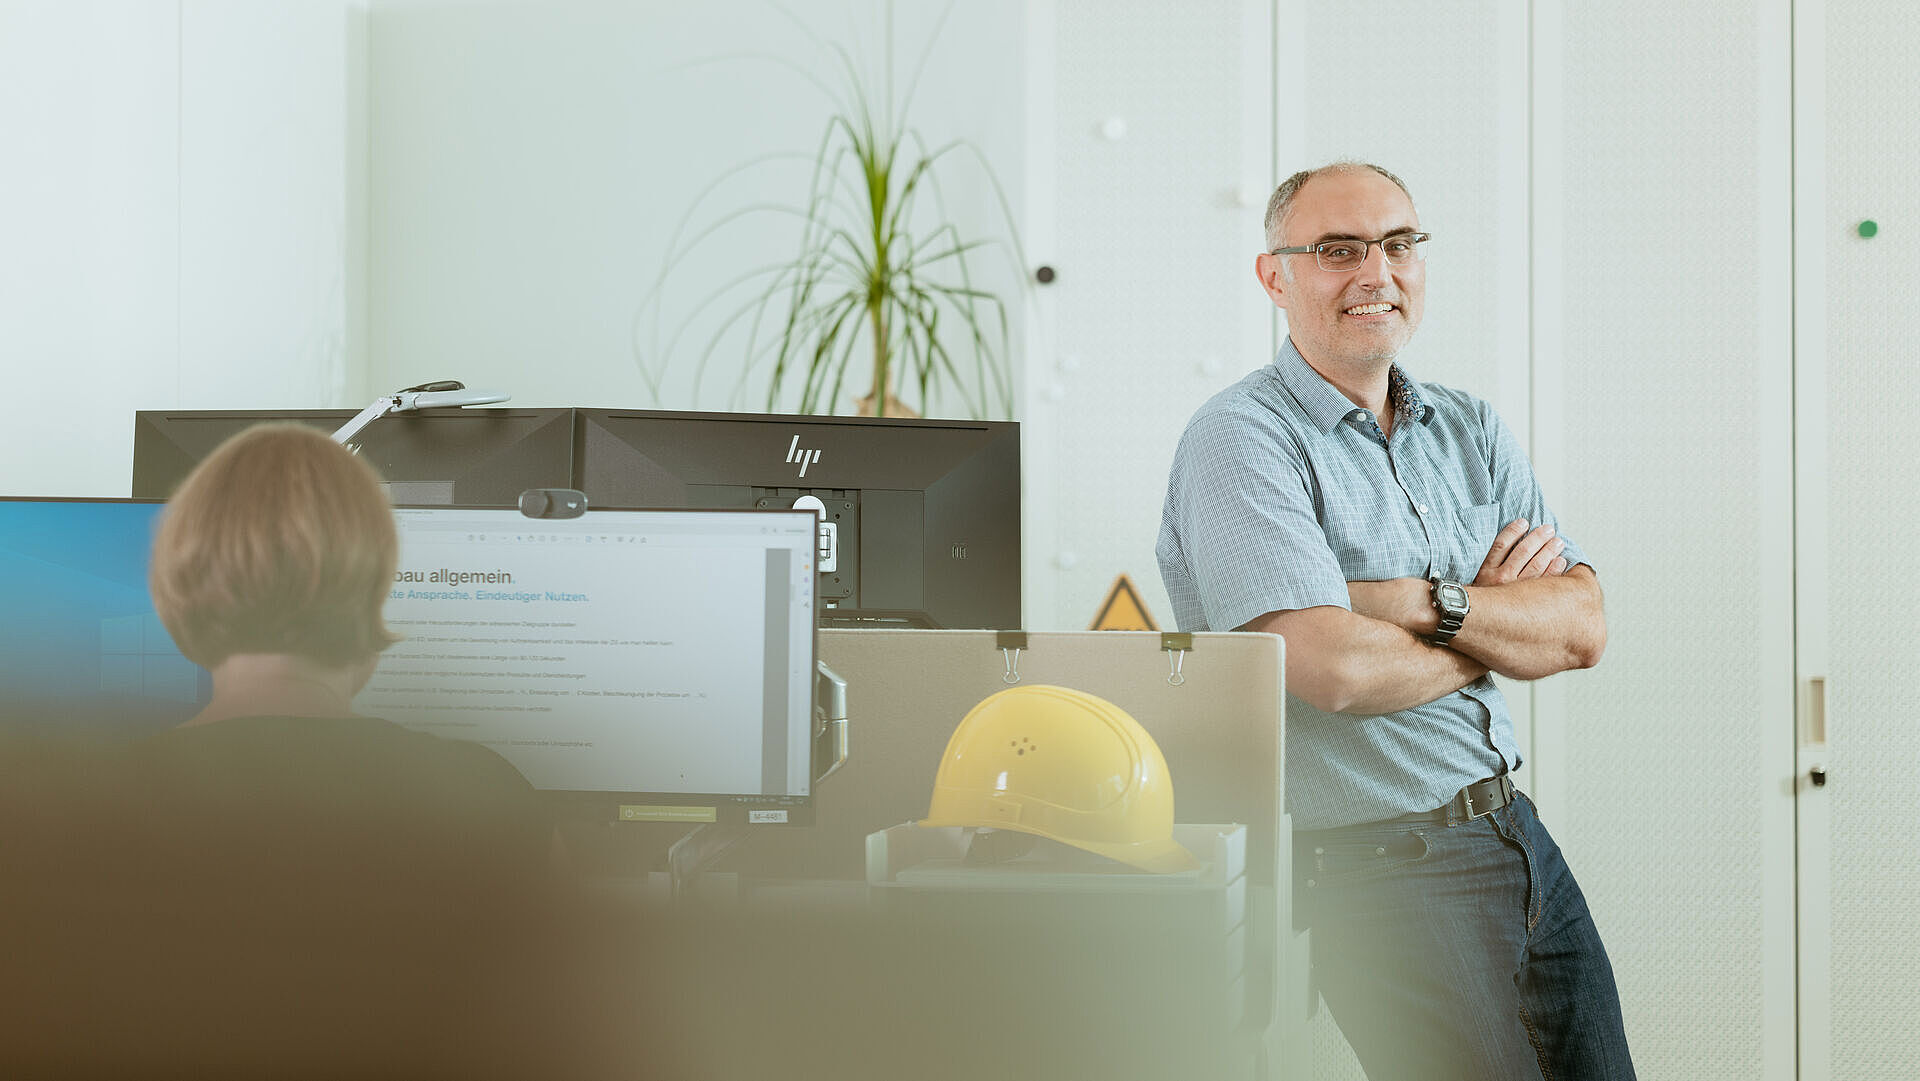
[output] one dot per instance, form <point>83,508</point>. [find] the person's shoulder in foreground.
<point>279,886</point>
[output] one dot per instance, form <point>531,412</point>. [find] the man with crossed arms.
<point>1394,533</point>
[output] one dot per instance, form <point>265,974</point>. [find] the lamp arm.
<point>441,395</point>
<point>381,407</point>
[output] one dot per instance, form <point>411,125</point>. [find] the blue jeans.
<point>1462,951</point>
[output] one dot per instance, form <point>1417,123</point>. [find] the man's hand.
<point>1530,618</point>
<point>1518,555</point>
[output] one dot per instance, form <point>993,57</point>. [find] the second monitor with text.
<point>640,665</point>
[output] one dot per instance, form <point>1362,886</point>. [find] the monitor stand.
<point>707,842</point>
<point>697,851</point>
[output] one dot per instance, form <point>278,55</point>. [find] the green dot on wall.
<point>1869,227</point>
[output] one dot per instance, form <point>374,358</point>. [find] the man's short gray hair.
<point>1281,204</point>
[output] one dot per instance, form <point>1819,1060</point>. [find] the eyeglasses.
<point>1340,256</point>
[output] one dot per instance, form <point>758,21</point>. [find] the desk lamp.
<point>441,394</point>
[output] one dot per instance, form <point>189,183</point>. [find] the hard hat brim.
<point>1160,857</point>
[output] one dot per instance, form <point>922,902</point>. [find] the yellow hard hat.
<point>1064,765</point>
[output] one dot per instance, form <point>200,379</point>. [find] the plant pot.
<point>863,406</point>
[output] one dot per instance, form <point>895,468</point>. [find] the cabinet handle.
<point>1813,730</point>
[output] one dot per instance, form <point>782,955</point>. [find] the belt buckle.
<point>1466,797</point>
<point>1501,783</point>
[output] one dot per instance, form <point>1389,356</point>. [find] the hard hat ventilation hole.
<point>1022,746</point>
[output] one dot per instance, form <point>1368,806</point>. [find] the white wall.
<point>177,208</point>
<point>89,209</point>
<point>271,207</point>
<point>531,161</point>
<point>1153,173</point>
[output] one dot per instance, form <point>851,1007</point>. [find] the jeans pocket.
<point>1334,863</point>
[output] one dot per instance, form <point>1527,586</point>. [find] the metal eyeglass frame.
<point>1413,254</point>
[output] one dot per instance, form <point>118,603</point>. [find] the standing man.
<point>1394,533</point>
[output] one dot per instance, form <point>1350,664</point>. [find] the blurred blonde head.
<point>280,542</point>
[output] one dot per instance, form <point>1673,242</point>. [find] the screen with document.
<point>654,664</point>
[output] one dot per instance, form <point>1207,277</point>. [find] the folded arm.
<point>1343,662</point>
<point>1530,615</point>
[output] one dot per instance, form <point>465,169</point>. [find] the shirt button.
<point>1363,416</point>
<point>1421,507</point>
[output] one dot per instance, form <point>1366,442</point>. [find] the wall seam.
<point>179,200</point>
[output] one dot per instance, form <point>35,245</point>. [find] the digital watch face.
<point>1453,596</point>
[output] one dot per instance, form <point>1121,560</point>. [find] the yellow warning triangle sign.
<point>1122,610</point>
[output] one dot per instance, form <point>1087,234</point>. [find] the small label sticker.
<point>766,816</point>
<point>639,812</point>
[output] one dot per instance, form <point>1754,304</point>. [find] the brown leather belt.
<point>1477,800</point>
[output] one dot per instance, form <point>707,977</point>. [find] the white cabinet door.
<point>1663,201</point>
<point>1858,505</point>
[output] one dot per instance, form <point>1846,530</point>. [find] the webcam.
<point>553,503</point>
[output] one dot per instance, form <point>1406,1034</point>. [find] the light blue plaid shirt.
<point>1281,493</point>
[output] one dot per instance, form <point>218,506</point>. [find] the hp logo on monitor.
<point>805,458</point>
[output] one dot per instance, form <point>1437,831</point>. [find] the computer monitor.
<point>638,665</point>
<point>468,457</point>
<point>81,652</point>
<point>926,513</point>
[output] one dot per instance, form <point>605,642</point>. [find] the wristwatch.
<point>1450,597</point>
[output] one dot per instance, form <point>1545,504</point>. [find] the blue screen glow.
<point>81,651</point>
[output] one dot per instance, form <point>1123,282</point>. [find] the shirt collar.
<point>1404,392</point>
<point>1327,407</point>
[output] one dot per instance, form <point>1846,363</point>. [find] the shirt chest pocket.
<point>1478,525</point>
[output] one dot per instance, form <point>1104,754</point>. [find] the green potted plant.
<point>881,295</point>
